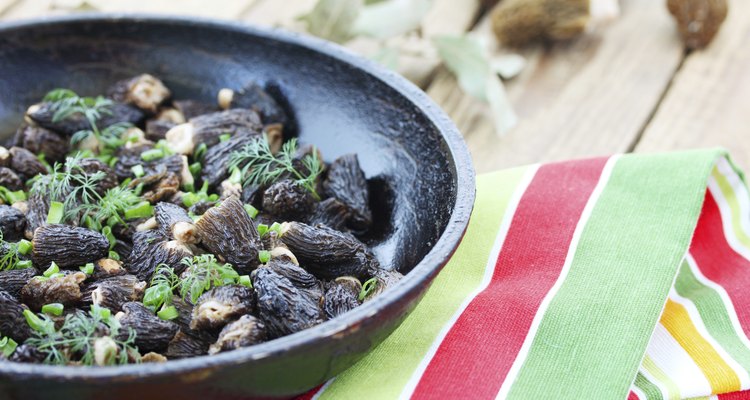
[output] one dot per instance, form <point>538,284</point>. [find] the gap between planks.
<point>584,98</point>
<point>707,105</point>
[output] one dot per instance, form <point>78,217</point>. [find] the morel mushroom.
<point>253,97</point>
<point>331,213</point>
<point>288,200</point>
<point>151,249</point>
<point>64,289</point>
<point>384,279</point>
<point>217,158</point>
<point>10,179</point>
<point>39,140</point>
<point>144,91</point>
<point>283,308</point>
<point>341,296</point>
<point>175,223</point>
<point>244,332</point>
<point>229,233</point>
<point>13,280</point>
<point>25,163</point>
<point>43,115</point>
<point>37,208</point>
<point>68,246</point>
<point>184,345</point>
<point>220,305</point>
<point>326,252</point>
<point>12,322</point>
<point>152,333</point>
<point>113,292</point>
<point>346,182</point>
<point>28,354</point>
<point>12,223</point>
<point>209,127</point>
<point>698,20</point>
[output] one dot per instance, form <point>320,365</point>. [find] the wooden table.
<point>626,86</point>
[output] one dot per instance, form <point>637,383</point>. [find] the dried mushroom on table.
<point>140,228</point>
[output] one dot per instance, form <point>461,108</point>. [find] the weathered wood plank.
<point>6,4</point>
<point>230,9</point>
<point>588,97</point>
<point>708,103</point>
<point>29,9</point>
<point>417,60</point>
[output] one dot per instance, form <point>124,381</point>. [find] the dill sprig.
<point>159,293</point>
<point>10,258</point>
<point>69,184</point>
<point>259,166</point>
<point>110,208</point>
<point>202,273</point>
<point>74,341</point>
<point>109,138</point>
<point>66,103</point>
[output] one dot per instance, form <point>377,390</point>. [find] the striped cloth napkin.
<point>625,277</point>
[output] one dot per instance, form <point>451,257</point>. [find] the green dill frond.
<point>74,340</point>
<point>259,166</point>
<point>159,293</point>
<point>65,103</point>
<point>110,207</point>
<point>69,184</point>
<point>203,273</point>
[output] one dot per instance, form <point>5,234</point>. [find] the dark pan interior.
<point>338,107</point>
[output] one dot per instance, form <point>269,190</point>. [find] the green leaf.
<point>333,19</point>
<point>391,18</point>
<point>467,59</point>
<point>387,57</point>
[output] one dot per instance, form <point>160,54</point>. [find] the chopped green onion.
<point>200,151</point>
<point>276,227</point>
<point>367,288</point>
<point>107,232</point>
<point>126,182</point>
<point>213,197</point>
<point>23,264</point>
<point>151,155</point>
<point>138,170</point>
<point>163,145</point>
<point>112,162</point>
<point>37,323</point>
<point>55,309</point>
<point>114,255</point>
<point>244,280</point>
<point>251,211</point>
<point>225,137</point>
<point>87,269</point>
<point>24,247</point>
<point>11,197</point>
<point>56,275</point>
<point>168,313</point>
<point>195,168</point>
<point>102,312</point>
<point>188,199</point>
<point>143,209</point>
<point>55,214</point>
<point>262,229</point>
<point>53,269</point>
<point>8,346</point>
<point>236,177</point>
<point>264,256</point>
<point>189,187</point>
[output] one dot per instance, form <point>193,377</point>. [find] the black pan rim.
<point>421,274</point>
